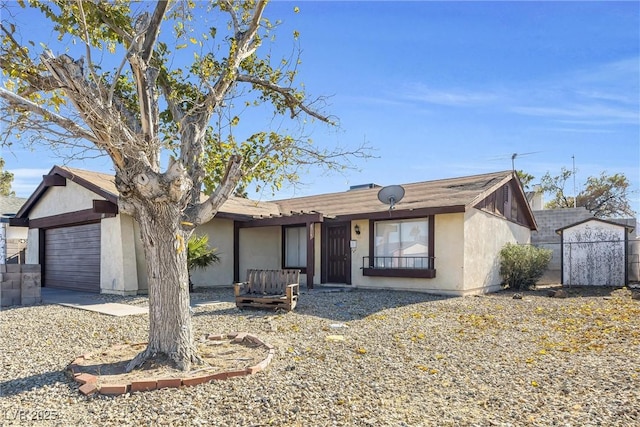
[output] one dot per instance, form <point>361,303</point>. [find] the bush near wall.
<point>522,265</point>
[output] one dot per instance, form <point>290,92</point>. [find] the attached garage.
<point>72,257</point>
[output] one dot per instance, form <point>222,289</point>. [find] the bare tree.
<point>149,104</point>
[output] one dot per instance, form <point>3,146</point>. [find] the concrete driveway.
<point>89,301</point>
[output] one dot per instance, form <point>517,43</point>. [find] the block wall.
<point>20,284</point>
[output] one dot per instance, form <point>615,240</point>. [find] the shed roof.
<point>604,221</point>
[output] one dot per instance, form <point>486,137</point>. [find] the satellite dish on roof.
<point>391,194</point>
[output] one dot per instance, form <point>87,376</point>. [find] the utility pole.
<point>575,196</point>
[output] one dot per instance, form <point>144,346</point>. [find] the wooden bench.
<point>269,289</point>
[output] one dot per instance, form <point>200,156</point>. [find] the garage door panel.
<point>72,257</point>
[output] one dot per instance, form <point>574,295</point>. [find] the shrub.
<point>200,255</point>
<point>522,265</point>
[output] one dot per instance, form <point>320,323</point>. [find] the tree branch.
<point>70,125</point>
<point>86,42</point>
<point>128,38</point>
<point>290,99</point>
<point>152,31</point>
<point>207,209</point>
<point>244,48</point>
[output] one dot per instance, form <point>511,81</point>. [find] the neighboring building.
<point>595,253</point>
<point>13,240</point>
<point>548,221</point>
<point>443,237</point>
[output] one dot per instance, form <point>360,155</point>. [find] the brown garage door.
<point>72,257</point>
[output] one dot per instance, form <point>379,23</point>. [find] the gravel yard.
<point>407,359</point>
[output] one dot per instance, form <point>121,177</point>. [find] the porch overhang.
<point>290,218</point>
<point>402,213</point>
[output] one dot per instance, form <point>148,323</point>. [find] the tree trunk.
<point>170,329</point>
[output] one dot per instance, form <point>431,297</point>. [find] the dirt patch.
<point>220,355</point>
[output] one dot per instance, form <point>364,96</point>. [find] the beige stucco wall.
<point>449,255</point>
<point>60,200</point>
<point>220,232</point>
<point>118,267</point>
<point>33,246</point>
<point>260,248</point>
<point>484,236</point>
<point>361,250</point>
<point>15,232</point>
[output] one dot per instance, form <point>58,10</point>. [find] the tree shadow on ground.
<point>24,384</point>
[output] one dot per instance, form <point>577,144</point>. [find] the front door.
<point>337,253</point>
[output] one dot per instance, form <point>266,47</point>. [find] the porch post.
<point>310,253</point>
<point>236,251</point>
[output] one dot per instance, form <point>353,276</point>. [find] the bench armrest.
<point>238,287</point>
<point>291,290</point>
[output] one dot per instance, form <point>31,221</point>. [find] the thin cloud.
<point>614,115</point>
<point>452,98</point>
<point>605,94</point>
<point>25,180</point>
<point>578,129</point>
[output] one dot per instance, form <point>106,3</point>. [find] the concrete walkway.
<point>88,301</point>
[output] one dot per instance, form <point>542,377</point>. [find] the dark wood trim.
<point>54,181</point>
<point>421,273</point>
<point>401,214</point>
<point>105,206</point>
<point>432,241</point>
<point>301,219</point>
<point>71,218</point>
<point>372,244</point>
<point>232,216</point>
<point>311,256</point>
<point>41,254</point>
<point>19,222</point>
<point>56,175</point>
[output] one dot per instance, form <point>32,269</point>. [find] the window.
<point>295,247</point>
<point>401,248</point>
<point>402,244</point>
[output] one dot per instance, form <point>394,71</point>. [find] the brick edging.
<point>89,382</point>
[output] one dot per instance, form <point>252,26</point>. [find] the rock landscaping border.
<point>91,384</point>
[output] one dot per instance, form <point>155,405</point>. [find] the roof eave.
<point>521,194</point>
<point>42,188</point>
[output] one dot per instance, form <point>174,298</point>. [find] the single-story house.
<point>443,237</point>
<point>595,252</point>
<point>13,240</point>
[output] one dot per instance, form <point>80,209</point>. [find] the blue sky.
<point>444,89</point>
